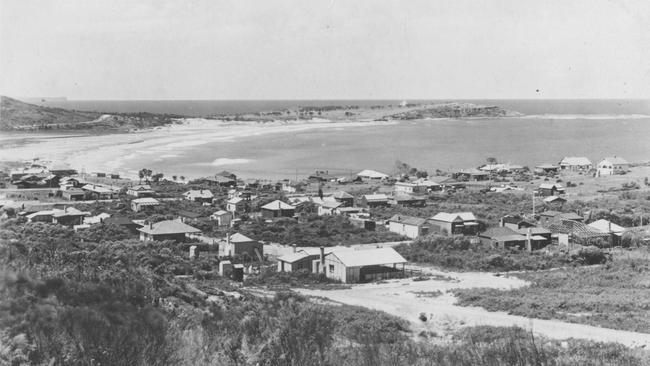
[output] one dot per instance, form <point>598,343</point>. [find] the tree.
<point>182,178</point>
<point>174,177</point>
<point>491,160</point>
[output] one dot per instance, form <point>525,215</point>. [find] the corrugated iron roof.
<point>370,257</point>
<point>168,227</point>
<point>278,205</point>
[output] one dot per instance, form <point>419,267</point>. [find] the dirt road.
<point>407,299</point>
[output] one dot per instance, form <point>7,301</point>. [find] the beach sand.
<point>116,152</point>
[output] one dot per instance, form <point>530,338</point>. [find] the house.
<point>547,168</point>
<point>74,194</point>
<point>303,259</point>
<point>40,216</point>
<point>612,165</point>
<point>363,222</point>
<point>97,219</point>
<point>190,216</point>
<point>69,216</point>
<point>17,174</point>
<point>322,176</point>
<point>223,218</point>
<point>167,230</point>
<point>327,207</point>
<point>199,195</point>
<point>347,211</point>
<point>615,231</point>
<point>241,245</point>
<point>472,175</point>
<point>236,205</point>
<point>515,222</point>
<point>550,189</point>
<point>277,209</point>
<point>575,163</point>
<point>98,192</point>
<point>372,175</point>
<point>408,200</point>
<point>411,227</point>
<point>140,204</point>
<point>374,200</point>
<point>62,170</point>
<point>464,223</point>
<point>345,198</point>
<point>537,233</point>
<point>550,216</point>
<point>69,182</point>
<point>554,201</point>
<point>141,190</point>
<point>409,188</point>
<point>579,233</point>
<point>350,266</point>
<point>503,237</point>
<point>221,181</point>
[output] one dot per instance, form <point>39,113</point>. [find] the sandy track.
<point>401,298</point>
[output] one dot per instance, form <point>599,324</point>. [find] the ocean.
<point>547,132</point>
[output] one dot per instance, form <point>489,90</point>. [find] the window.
<point>331,268</point>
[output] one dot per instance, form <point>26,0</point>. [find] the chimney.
<point>322,259</point>
<point>294,248</point>
<point>529,243</point>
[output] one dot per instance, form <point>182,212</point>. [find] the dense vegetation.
<point>100,301</point>
<point>316,231</point>
<point>458,253</point>
<point>614,295</point>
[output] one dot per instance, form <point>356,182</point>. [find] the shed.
<point>351,266</point>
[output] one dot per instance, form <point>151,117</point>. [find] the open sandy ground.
<point>407,299</point>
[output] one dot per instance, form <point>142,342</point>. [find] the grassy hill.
<point>19,116</point>
<point>15,114</point>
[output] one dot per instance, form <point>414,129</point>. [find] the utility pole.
<point>533,205</point>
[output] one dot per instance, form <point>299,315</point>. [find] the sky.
<point>286,49</point>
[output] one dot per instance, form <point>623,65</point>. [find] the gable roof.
<point>553,199</point>
<point>376,197</point>
<point>408,220</point>
<point>146,201</point>
<point>606,226</point>
<point>168,227</point>
<point>293,257</point>
<point>370,257</point>
<point>198,193</point>
<point>367,173</point>
<point>550,186</point>
<point>615,160</point>
<point>69,211</point>
<point>239,238</point>
<point>221,213</point>
<point>235,200</point>
<point>342,195</point>
<point>575,160</point>
<point>450,217</point>
<point>96,188</point>
<point>278,205</point>
<point>494,232</point>
<point>141,187</point>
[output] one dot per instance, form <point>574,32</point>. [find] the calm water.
<point>425,144</point>
<point>551,130</point>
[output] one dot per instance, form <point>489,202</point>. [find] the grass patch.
<point>615,295</point>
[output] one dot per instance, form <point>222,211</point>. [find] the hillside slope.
<point>15,115</point>
<point>19,116</point>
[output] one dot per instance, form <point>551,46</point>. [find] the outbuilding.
<point>411,227</point>
<point>350,266</point>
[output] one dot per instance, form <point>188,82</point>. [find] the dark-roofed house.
<point>98,192</point>
<point>350,266</point>
<point>69,216</point>
<point>277,209</point>
<point>503,237</point>
<point>554,201</point>
<point>411,227</point>
<point>408,200</point>
<point>550,189</point>
<point>454,223</point>
<point>374,200</point>
<point>515,222</point>
<point>474,175</point>
<point>345,198</point>
<point>241,245</point>
<point>167,230</point>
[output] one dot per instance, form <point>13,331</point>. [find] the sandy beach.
<point>113,152</point>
